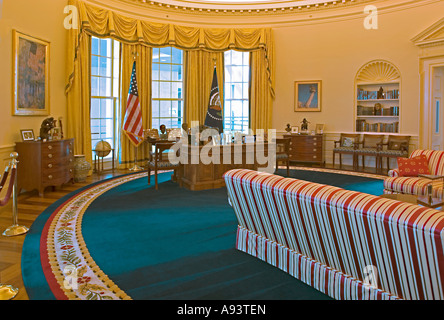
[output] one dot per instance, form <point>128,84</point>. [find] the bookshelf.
<point>378,98</point>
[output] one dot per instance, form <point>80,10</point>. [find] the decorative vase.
<point>81,168</point>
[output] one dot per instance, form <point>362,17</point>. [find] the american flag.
<point>132,125</point>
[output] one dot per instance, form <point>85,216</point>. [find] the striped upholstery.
<point>415,185</point>
<point>328,237</point>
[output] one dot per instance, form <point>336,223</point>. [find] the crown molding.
<point>267,13</point>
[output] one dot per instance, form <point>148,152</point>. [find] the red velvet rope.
<point>5,176</point>
<point>11,186</point>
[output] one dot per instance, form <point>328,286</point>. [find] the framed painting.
<point>30,76</point>
<point>307,96</point>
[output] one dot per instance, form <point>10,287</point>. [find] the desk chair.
<point>159,161</point>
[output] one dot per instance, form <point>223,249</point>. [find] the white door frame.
<point>426,99</point>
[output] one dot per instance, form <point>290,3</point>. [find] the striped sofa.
<point>415,185</point>
<point>346,244</point>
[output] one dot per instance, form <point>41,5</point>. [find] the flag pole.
<point>135,167</point>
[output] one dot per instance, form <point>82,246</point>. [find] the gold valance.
<point>107,23</point>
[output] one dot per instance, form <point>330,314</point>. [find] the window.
<point>236,91</point>
<point>167,87</point>
<point>105,63</point>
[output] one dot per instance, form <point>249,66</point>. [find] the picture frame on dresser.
<point>308,96</point>
<point>319,128</point>
<point>27,134</point>
<point>30,72</point>
<point>295,130</point>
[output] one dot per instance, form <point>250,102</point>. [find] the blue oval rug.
<point>122,239</point>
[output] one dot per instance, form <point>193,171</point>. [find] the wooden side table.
<point>428,200</point>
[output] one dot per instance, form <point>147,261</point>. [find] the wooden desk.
<point>197,175</point>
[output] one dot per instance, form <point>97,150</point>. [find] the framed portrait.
<point>307,96</point>
<point>319,128</point>
<point>30,76</point>
<point>27,134</point>
<point>295,130</point>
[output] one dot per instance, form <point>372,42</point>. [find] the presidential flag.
<point>214,116</point>
<point>132,125</point>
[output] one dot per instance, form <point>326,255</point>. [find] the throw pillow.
<point>411,167</point>
<point>348,142</point>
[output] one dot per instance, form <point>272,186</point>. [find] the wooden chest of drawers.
<point>44,164</point>
<point>307,148</point>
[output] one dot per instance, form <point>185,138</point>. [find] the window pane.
<point>165,108</point>
<point>105,47</point>
<point>94,86</point>
<point>165,72</point>
<point>95,108</point>
<point>155,72</point>
<point>176,73</point>
<point>165,55</point>
<point>177,56</point>
<point>155,89</point>
<point>105,67</point>
<point>165,90</point>
<point>176,90</point>
<point>105,87</point>
<point>94,66</point>
<point>94,46</point>
<point>155,55</point>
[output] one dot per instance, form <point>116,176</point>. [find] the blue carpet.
<point>178,244</point>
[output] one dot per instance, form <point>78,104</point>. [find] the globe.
<point>103,148</point>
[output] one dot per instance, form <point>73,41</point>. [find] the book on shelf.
<point>373,95</point>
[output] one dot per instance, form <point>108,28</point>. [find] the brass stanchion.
<point>15,229</point>
<point>8,292</point>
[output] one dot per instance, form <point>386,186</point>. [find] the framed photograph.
<point>319,128</point>
<point>30,76</point>
<point>307,96</point>
<point>27,134</point>
<point>294,130</point>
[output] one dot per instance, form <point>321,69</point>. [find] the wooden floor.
<point>30,205</point>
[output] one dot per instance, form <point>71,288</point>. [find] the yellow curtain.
<point>261,101</point>
<point>143,56</point>
<point>199,71</point>
<point>106,23</point>
<point>78,95</point>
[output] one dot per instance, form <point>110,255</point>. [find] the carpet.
<point>122,239</point>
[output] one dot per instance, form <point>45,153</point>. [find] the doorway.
<point>437,94</point>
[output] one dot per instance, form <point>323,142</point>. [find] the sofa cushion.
<point>412,185</point>
<point>412,167</point>
<point>435,158</point>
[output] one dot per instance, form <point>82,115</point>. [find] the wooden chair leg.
<point>155,177</point>
<point>149,175</point>
<point>340,161</point>
<point>288,168</point>
<point>334,156</point>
